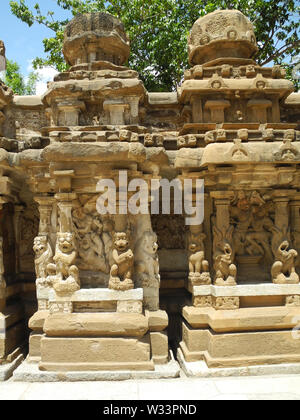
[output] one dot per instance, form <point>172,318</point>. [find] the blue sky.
<point>22,42</point>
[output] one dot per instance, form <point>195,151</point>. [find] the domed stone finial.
<point>95,37</point>
<point>221,34</point>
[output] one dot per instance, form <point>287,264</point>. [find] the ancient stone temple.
<point>92,295</point>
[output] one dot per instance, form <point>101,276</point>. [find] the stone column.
<point>224,267</point>
<point>197,111</point>
<point>283,270</point>
<point>281,201</point>
<point>217,110</point>
<point>259,108</point>
<point>222,200</point>
<point>146,253</point>
<point>199,273</point>
<point>67,279</point>
<point>68,112</point>
<point>116,111</point>
<point>134,109</point>
<point>43,287</point>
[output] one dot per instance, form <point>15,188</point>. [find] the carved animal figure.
<point>122,269</point>
<point>67,272</point>
<point>225,270</point>
<point>43,256</point>
<point>283,270</point>
<point>147,263</point>
<point>198,266</point>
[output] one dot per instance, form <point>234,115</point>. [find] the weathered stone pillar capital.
<point>283,195</point>
<point>222,197</point>
<point>64,180</point>
<point>44,201</point>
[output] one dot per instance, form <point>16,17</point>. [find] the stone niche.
<point>123,294</point>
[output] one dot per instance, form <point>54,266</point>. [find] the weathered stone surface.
<point>243,319</point>
<point>223,33</point>
<point>106,37</point>
<point>98,289</point>
<point>158,320</point>
<point>96,325</point>
<point>83,354</point>
<point>159,347</point>
<point>36,323</point>
<point>243,349</point>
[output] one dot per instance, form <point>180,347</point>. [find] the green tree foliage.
<point>15,80</point>
<point>158,30</point>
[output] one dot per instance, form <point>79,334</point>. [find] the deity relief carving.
<point>226,303</point>
<point>198,266</point>
<point>146,260</point>
<point>67,272</point>
<point>238,151</point>
<point>287,150</point>
<point>43,256</point>
<point>94,239</point>
<point>250,215</point>
<point>283,270</point>
<point>225,269</point>
<point>121,272</point>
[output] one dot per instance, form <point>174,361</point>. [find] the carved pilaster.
<point>295,224</point>
<point>225,269</point>
<point>45,209</point>
<point>283,270</point>
<point>64,271</point>
<point>44,251</point>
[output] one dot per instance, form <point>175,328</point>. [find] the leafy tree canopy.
<point>15,80</point>
<point>158,30</point>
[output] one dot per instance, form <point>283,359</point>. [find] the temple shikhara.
<point>90,296</point>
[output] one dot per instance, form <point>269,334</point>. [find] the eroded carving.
<point>122,270</point>
<point>43,256</point>
<point>64,265</point>
<point>225,269</point>
<point>198,265</point>
<point>283,270</point>
<point>146,260</point>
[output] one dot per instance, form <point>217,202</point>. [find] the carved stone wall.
<point>110,280</point>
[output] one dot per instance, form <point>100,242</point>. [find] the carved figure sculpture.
<point>146,257</point>
<point>43,256</point>
<point>89,229</point>
<point>198,266</point>
<point>122,269</point>
<point>225,269</point>
<point>65,256</point>
<point>283,270</point>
